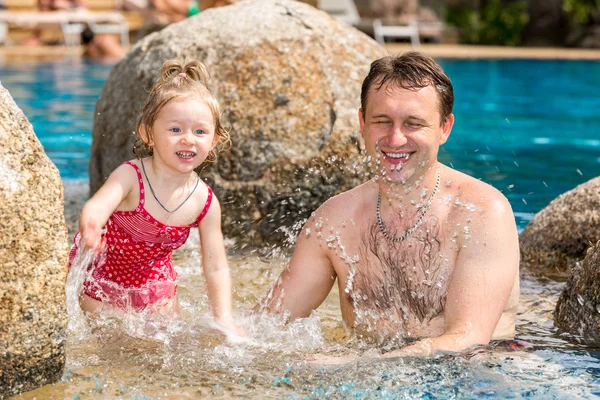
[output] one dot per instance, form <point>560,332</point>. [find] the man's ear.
<point>144,134</point>
<point>361,122</point>
<point>447,128</point>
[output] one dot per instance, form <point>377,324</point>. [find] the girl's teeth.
<point>185,155</point>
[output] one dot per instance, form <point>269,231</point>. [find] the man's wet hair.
<point>413,71</point>
<point>87,35</point>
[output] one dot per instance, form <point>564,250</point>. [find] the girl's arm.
<point>101,205</point>
<point>215,267</point>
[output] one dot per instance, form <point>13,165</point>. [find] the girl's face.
<point>183,134</point>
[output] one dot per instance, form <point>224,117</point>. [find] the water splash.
<point>79,272</point>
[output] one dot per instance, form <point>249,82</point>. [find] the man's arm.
<point>306,281</point>
<point>486,269</point>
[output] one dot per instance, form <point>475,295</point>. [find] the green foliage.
<point>580,10</point>
<point>494,24</point>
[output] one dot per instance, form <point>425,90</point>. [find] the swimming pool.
<point>530,128</point>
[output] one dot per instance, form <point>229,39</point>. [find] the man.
<point>420,251</point>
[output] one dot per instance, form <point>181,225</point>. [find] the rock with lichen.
<point>33,258</point>
<point>559,235</point>
<point>288,78</point>
<point>578,308</point>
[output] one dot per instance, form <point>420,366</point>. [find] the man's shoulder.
<point>348,203</point>
<point>470,190</point>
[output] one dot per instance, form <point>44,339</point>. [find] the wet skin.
<point>453,281</point>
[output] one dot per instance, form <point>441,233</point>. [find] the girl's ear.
<point>216,139</point>
<point>145,135</point>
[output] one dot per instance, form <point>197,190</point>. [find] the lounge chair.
<point>382,31</point>
<point>71,23</point>
<point>3,32</point>
<point>347,12</point>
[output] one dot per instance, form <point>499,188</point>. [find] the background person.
<point>161,13</point>
<point>53,5</point>
<point>104,48</point>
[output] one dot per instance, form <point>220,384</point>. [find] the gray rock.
<point>578,308</point>
<point>288,78</point>
<point>559,235</point>
<point>76,194</point>
<point>33,258</point>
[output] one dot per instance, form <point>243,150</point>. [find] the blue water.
<point>530,128</point>
<point>58,98</point>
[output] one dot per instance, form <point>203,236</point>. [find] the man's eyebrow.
<point>379,116</point>
<point>415,118</point>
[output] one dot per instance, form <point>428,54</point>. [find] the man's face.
<point>402,131</point>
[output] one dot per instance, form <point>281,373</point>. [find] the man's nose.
<point>397,138</point>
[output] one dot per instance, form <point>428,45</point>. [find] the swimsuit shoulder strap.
<point>206,205</point>
<point>140,182</point>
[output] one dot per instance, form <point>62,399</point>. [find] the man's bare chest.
<point>402,281</point>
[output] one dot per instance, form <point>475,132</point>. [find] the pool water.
<point>58,98</point>
<point>530,128</point>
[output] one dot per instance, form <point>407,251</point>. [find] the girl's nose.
<point>186,138</point>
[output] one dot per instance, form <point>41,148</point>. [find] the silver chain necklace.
<point>156,198</point>
<point>423,210</point>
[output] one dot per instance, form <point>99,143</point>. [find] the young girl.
<point>147,206</point>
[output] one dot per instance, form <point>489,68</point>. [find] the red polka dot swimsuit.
<point>136,270</point>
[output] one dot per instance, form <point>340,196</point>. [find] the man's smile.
<point>396,155</point>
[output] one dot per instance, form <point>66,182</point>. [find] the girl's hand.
<point>92,236</point>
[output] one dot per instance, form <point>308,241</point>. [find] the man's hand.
<point>324,359</point>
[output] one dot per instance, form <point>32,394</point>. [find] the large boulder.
<point>33,258</point>
<point>559,235</point>
<point>578,308</point>
<point>288,79</point>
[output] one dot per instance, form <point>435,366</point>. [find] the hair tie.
<point>182,74</point>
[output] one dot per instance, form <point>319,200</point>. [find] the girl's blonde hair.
<point>177,81</point>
